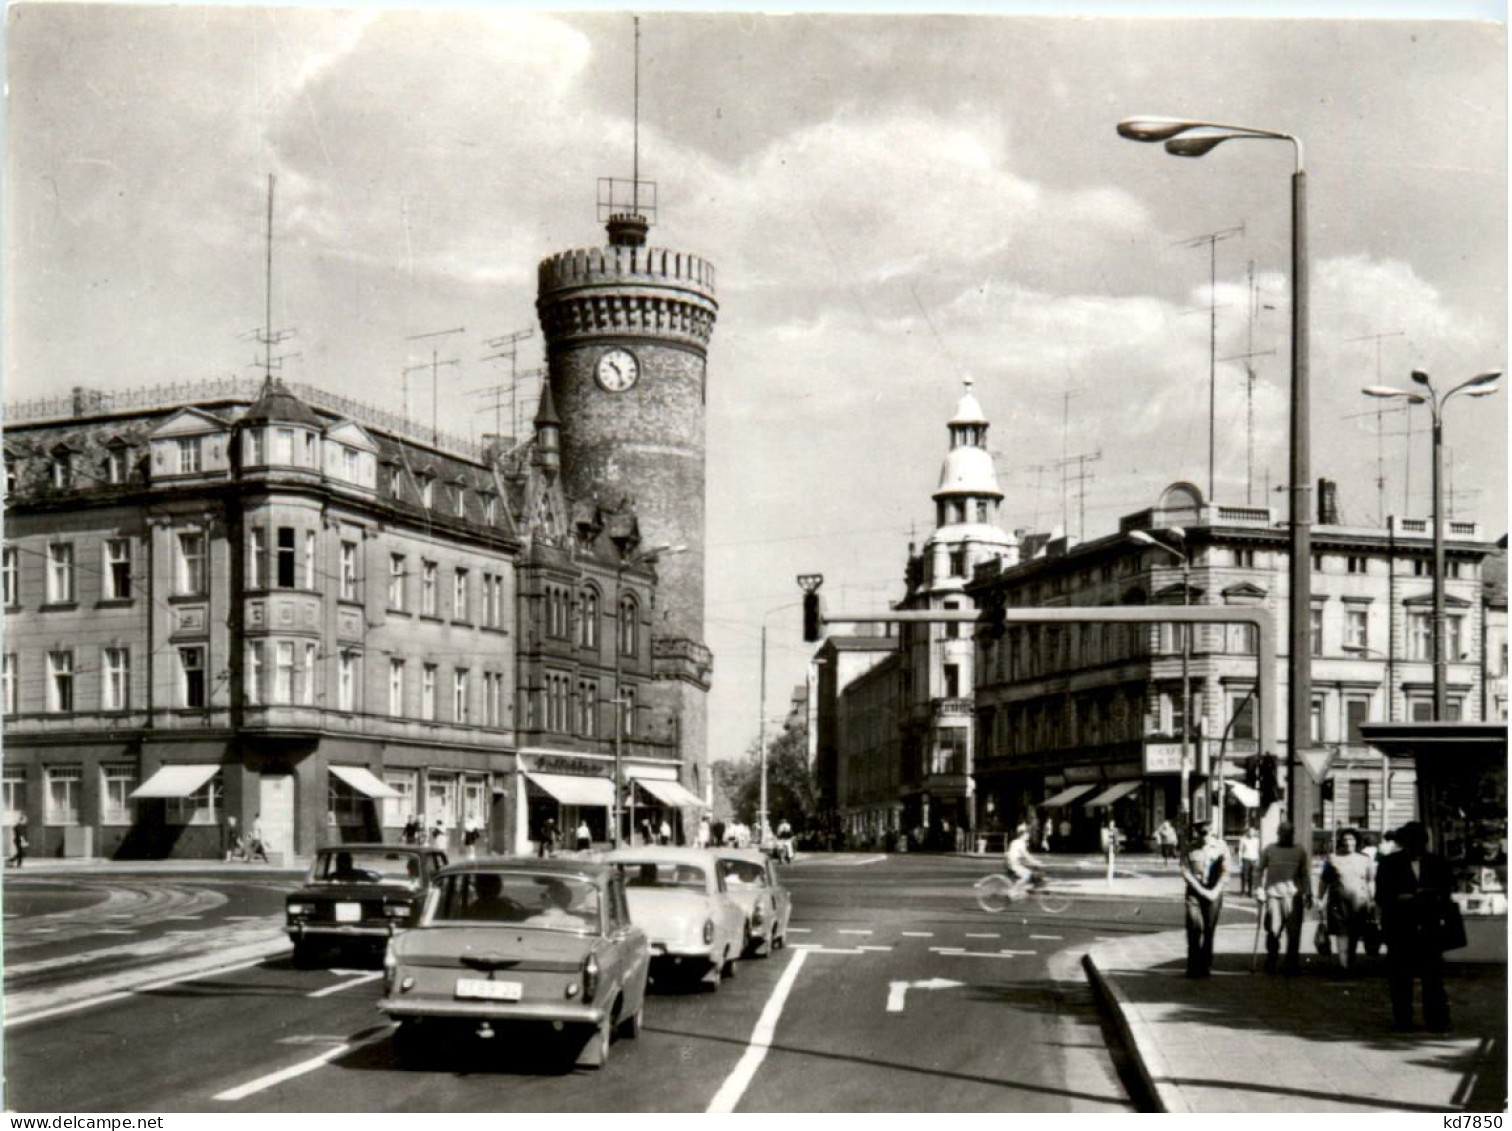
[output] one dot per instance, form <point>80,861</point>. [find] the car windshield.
<point>516,899</point>
<point>366,866</point>
<point>743,873</point>
<point>652,874</point>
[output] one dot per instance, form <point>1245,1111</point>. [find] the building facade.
<point>1080,722</point>
<point>837,663</point>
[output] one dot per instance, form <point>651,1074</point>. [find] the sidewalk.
<point>1242,1042</point>
<point>94,865</point>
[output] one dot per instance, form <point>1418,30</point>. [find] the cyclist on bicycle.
<point>1020,864</point>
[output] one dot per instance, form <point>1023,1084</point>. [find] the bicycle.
<point>997,893</point>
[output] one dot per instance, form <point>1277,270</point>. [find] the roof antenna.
<point>267,335</point>
<point>628,215</point>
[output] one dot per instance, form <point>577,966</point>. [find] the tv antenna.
<point>434,365</point>
<point>1250,352</point>
<point>635,199</point>
<point>1380,415</point>
<point>505,345</point>
<point>265,334</point>
<point>1212,240</point>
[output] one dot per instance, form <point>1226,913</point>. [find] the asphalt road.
<point>897,994</point>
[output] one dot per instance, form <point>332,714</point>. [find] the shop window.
<point>398,810</point>
<point>202,807</point>
<point>64,790</point>
<point>345,807</point>
<point>441,798</point>
<point>14,782</point>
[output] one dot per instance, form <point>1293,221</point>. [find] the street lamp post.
<point>1180,141</point>
<point>1482,385</point>
<point>1186,666</point>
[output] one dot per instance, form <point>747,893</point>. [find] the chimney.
<point>1328,503</point>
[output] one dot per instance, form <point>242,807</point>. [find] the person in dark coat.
<point>1413,889</point>
<point>1204,871</point>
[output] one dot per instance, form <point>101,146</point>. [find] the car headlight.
<point>300,909</point>
<point>397,910</point>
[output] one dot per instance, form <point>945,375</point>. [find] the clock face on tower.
<point>618,370</point>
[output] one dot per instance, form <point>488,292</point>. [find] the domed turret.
<point>966,503</point>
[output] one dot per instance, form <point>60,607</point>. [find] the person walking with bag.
<point>1420,920</point>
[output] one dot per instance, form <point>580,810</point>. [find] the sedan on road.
<point>358,894</point>
<point>679,896</point>
<point>509,941</point>
<point>751,878</point>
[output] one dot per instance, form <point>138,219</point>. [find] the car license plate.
<point>489,991</point>
<point>349,913</point>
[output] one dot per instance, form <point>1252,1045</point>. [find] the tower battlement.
<point>628,266</point>
<point>612,291</point>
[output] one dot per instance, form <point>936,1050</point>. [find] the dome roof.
<point>969,411</point>
<point>980,533</point>
<point>279,405</point>
<point>968,471</point>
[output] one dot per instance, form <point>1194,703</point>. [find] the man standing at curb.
<point>1204,870</point>
<point>1284,892</point>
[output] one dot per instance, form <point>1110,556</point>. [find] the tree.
<point>790,786</point>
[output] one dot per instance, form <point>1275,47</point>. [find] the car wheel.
<point>630,1027</point>
<point>305,953</point>
<point>410,1047</point>
<point>712,979</point>
<point>730,959</point>
<point>595,1052</point>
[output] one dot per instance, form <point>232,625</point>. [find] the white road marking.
<point>273,1079</point>
<point>311,1039</point>
<point>961,952</point>
<point>115,931</point>
<point>917,934</point>
<point>897,991</point>
<point>864,947</point>
<point>801,930</point>
<point>843,931</point>
<point>969,935</point>
<point>103,999</point>
<point>1054,938</point>
<point>367,976</point>
<point>820,948</point>
<point>728,1096</point>
<point>181,918</point>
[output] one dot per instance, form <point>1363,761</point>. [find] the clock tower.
<point>627,330</point>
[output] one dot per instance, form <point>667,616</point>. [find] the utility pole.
<point>434,365</point>
<point>1212,239</point>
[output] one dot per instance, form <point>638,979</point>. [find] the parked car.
<point>678,895</point>
<point>358,894</point>
<point>519,943</point>
<point>752,881</point>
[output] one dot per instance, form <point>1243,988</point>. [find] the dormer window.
<point>115,464</point>
<point>10,476</point>
<point>188,455</point>
<point>490,509</point>
<point>459,501</point>
<point>427,491</point>
<point>62,469</point>
<point>395,480</point>
<point>350,464</point>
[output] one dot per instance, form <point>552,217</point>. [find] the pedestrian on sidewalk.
<point>1413,888</point>
<point>1249,859</point>
<point>547,841</point>
<point>440,838</point>
<point>472,832</point>
<point>1285,892</point>
<point>259,850</point>
<point>236,847</point>
<point>1204,870</point>
<point>412,830</point>
<point>583,837</point>
<point>1165,836</point>
<point>19,843</point>
<point>1109,837</point>
<point>1346,889</point>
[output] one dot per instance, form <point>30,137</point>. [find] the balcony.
<point>948,708</point>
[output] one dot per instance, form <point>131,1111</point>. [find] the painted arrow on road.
<point>896,991</point>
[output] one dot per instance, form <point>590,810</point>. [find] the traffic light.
<point>1271,789</point>
<point>813,618</point>
<point>1252,771</point>
<point>1327,789</point>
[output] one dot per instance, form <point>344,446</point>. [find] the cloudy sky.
<point>894,204</point>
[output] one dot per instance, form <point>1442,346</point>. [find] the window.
<point>202,807</point>
<point>311,450</point>
<point>587,709</point>
<point>493,699</point>
<point>395,480</point>
<point>309,674</point>
<point>349,571</point>
<point>627,712</point>
<point>588,629</point>
<point>1244,558</point>
<point>459,501</point>
<point>627,626</point>
<point>398,810</point>
<point>1419,636</point>
<point>461,704</point>
<point>252,447</point>
<point>558,703</point>
<point>255,677</point>
<point>115,679</point>
<point>427,491</point>
<point>396,582</point>
<point>958,563</point>
<point>257,558</point>
<point>459,595</point>
<point>556,612</point>
<point>952,628</point>
<point>1356,563</point>
<point>1315,721</point>
<point>115,464</point>
<point>350,468</point>
<point>287,550</point>
<point>345,807</point>
<point>441,797</point>
<point>188,455</point>
<point>346,685</point>
<point>1359,803</point>
<point>62,469</point>
<point>428,692</point>
<point>116,784</point>
<point>1454,638</point>
<point>191,562</point>
<point>63,789</point>
<point>952,681</point>
<point>14,781</point>
<point>117,569</point>
<point>60,573</point>
<point>490,510</point>
<point>493,601</point>
<point>12,576</point>
<point>1244,639</point>
<point>309,559</point>
<point>8,682</point>
<point>474,795</point>
<point>60,681</point>
<point>283,672</point>
<point>1357,629</point>
<point>1356,711</point>
<point>1316,632</point>
<point>428,589</point>
<point>192,676</point>
<point>10,476</point>
<point>396,688</point>
<point>283,445</point>
<point>1243,714</point>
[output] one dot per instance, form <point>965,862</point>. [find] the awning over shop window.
<point>1245,795</point>
<point>1066,796</point>
<point>573,789</point>
<point>671,793</point>
<point>364,781</point>
<point>174,781</point>
<point>1113,793</point>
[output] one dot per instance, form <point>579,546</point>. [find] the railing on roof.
<point>82,402</point>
